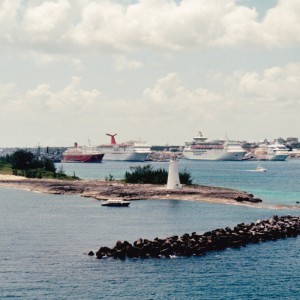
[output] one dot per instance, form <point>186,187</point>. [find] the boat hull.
<point>271,157</point>
<point>83,158</point>
<point>116,203</point>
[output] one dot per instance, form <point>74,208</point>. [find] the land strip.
<point>104,190</point>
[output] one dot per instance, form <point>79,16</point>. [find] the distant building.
<point>292,140</point>
<point>280,140</point>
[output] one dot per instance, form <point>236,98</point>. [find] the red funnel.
<point>112,138</point>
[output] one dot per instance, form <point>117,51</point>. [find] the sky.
<point>155,70</point>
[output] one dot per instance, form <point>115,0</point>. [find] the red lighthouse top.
<point>112,138</point>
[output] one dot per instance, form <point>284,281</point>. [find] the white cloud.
<point>122,63</point>
<point>276,85</point>
<point>170,99</point>
<point>281,26</point>
<point>106,25</point>
<point>242,103</point>
<point>42,20</point>
<point>189,64</point>
<point>269,100</point>
<point>43,100</point>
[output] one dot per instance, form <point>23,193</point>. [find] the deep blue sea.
<point>44,240</point>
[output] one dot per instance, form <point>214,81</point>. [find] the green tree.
<point>146,174</point>
<point>22,160</point>
<point>49,165</point>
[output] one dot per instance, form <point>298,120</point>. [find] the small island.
<point>140,183</point>
<point>104,190</point>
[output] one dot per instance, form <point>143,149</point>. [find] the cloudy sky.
<point>159,70</point>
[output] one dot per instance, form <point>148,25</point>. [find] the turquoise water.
<point>44,239</point>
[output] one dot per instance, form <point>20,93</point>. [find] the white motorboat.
<point>116,203</point>
<point>260,169</point>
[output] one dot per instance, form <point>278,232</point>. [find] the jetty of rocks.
<point>198,244</point>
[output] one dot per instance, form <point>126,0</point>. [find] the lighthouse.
<point>173,175</point>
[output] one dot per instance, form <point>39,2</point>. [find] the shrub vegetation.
<point>146,174</point>
<point>24,163</point>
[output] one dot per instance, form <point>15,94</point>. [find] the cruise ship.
<point>274,152</point>
<point>201,149</point>
<point>86,154</point>
<point>128,151</point>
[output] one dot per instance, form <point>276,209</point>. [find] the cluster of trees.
<point>146,174</point>
<point>25,163</point>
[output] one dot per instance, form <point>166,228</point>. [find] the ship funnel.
<point>112,138</point>
<point>173,175</point>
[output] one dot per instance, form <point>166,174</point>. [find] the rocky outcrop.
<point>198,244</point>
<point>249,198</point>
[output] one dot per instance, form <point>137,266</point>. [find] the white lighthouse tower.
<point>173,175</point>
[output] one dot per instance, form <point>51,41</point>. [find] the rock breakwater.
<point>198,244</point>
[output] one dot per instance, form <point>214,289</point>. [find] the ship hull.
<point>218,154</point>
<point>83,158</point>
<point>123,156</point>
<point>272,157</point>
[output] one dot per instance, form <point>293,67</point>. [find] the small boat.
<point>116,203</point>
<point>260,169</point>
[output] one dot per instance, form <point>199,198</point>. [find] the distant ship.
<point>274,152</point>
<point>128,151</point>
<point>201,149</point>
<point>86,154</point>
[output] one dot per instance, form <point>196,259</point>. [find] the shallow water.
<point>44,238</point>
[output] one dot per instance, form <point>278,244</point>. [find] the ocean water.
<point>45,238</point>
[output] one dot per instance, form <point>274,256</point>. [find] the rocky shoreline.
<point>197,245</point>
<point>104,190</point>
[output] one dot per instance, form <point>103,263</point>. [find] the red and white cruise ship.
<point>129,151</point>
<point>86,154</point>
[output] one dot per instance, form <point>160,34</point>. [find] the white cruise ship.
<point>201,149</point>
<point>129,151</point>
<point>274,152</point>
